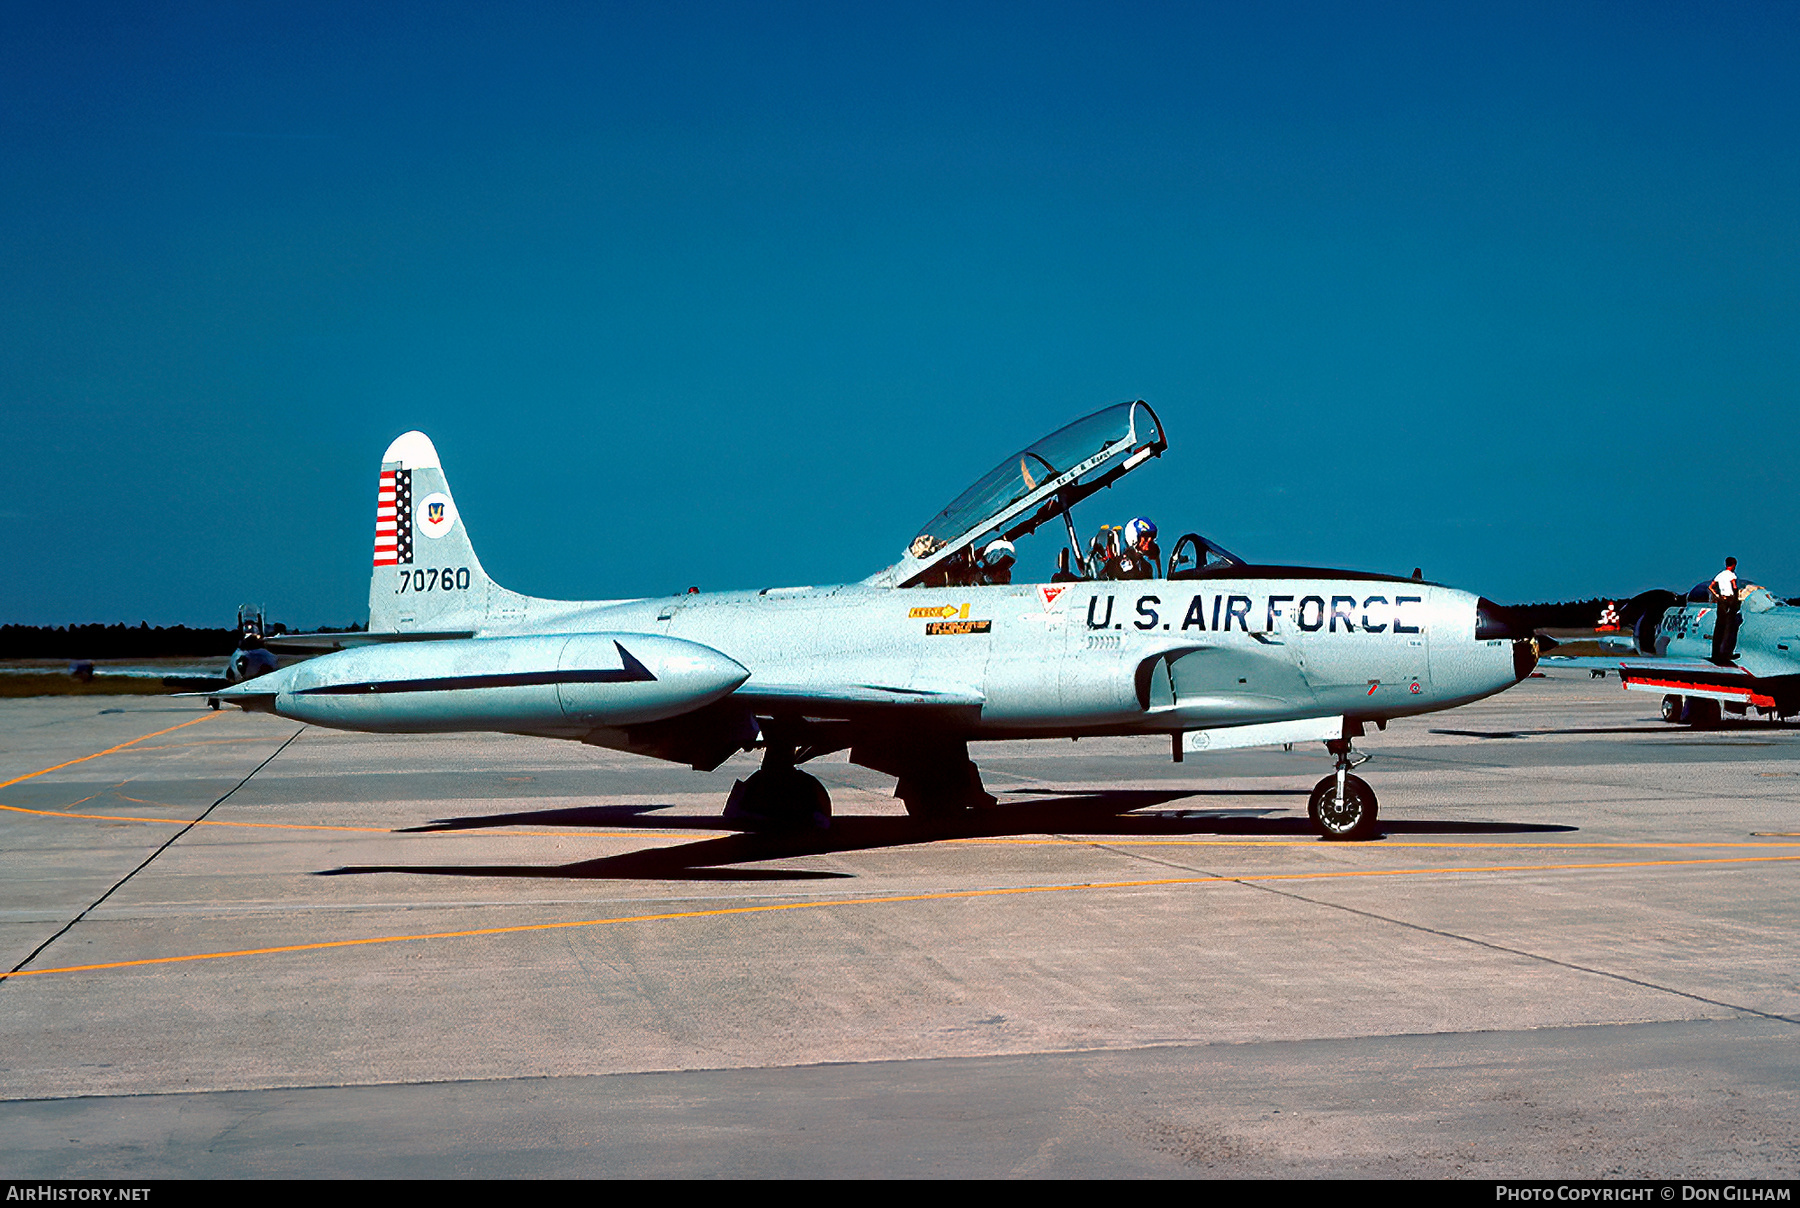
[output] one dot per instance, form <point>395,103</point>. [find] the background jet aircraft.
<point>1674,637</point>
<point>251,658</point>
<point>907,667</point>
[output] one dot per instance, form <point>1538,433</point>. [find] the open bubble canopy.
<point>1037,484</point>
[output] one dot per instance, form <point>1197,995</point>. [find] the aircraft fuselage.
<point>1768,641</point>
<point>1148,656</point>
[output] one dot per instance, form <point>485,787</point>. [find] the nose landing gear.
<point>1342,806</point>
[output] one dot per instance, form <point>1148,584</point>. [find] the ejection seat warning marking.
<point>953,627</point>
<point>949,895</point>
<point>945,612</point>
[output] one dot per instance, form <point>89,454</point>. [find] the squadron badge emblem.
<point>437,515</point>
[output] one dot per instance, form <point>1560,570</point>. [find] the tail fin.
<point>427,578</point>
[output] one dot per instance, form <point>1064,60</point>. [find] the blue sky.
<point>740,295</point>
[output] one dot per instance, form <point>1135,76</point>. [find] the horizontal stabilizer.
<point>324,643</point>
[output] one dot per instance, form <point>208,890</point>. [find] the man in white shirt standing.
<point>1724,592</point>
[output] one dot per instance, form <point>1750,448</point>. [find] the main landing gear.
<point>937,778</point>
<point>1343,806</point>
<point>943,788</point>
<point>938,781</point>
<point>1698,711</point>
<point>779,797</point>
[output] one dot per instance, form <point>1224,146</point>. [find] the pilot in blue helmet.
<point>1140,557</point>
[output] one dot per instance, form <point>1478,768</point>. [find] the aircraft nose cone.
<point>1525,657</point>
<point>1498,622</point>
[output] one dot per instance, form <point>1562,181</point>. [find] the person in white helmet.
<point>996,562</point>
<point>1140,557</point>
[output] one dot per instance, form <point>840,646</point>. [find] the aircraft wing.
<point>849,701</point>
<point>1698,677</point>
<point>1581,662</point>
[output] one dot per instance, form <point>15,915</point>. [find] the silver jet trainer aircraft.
<point>1674,637</point>
<point>908,666</point>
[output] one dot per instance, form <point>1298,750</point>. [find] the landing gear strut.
<point>779,796</point>
<point>1343,806</point>
<point>937,777</point>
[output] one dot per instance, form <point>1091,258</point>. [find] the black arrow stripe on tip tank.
<point>632,672</point>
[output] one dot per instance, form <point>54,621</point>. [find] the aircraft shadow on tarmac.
<point>1110,813</point>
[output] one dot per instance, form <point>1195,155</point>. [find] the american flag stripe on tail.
<point>393,519</point>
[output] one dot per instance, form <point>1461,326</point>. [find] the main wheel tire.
<point>1671,710</point>
<point>776,799</point>
<point>1351,819</point>
<point>1702,712</point>
<point>945,790</point>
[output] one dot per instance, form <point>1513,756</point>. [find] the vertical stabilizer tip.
<point>414,451</point>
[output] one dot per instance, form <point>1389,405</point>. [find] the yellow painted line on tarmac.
<point>374,830</point>
<point>205,742</point>
<point>97,754</point>
<point>19,809</point>
<point>947,896</point>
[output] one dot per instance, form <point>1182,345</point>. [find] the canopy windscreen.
<point>1024,472</point>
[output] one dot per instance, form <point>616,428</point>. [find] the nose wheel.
<point>1342,806</point>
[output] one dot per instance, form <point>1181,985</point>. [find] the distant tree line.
<point>1570,614</point>
<point>124,641</point>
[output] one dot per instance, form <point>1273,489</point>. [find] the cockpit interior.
<point>971,540</point>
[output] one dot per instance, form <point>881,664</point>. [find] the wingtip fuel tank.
<point>562,683</point>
